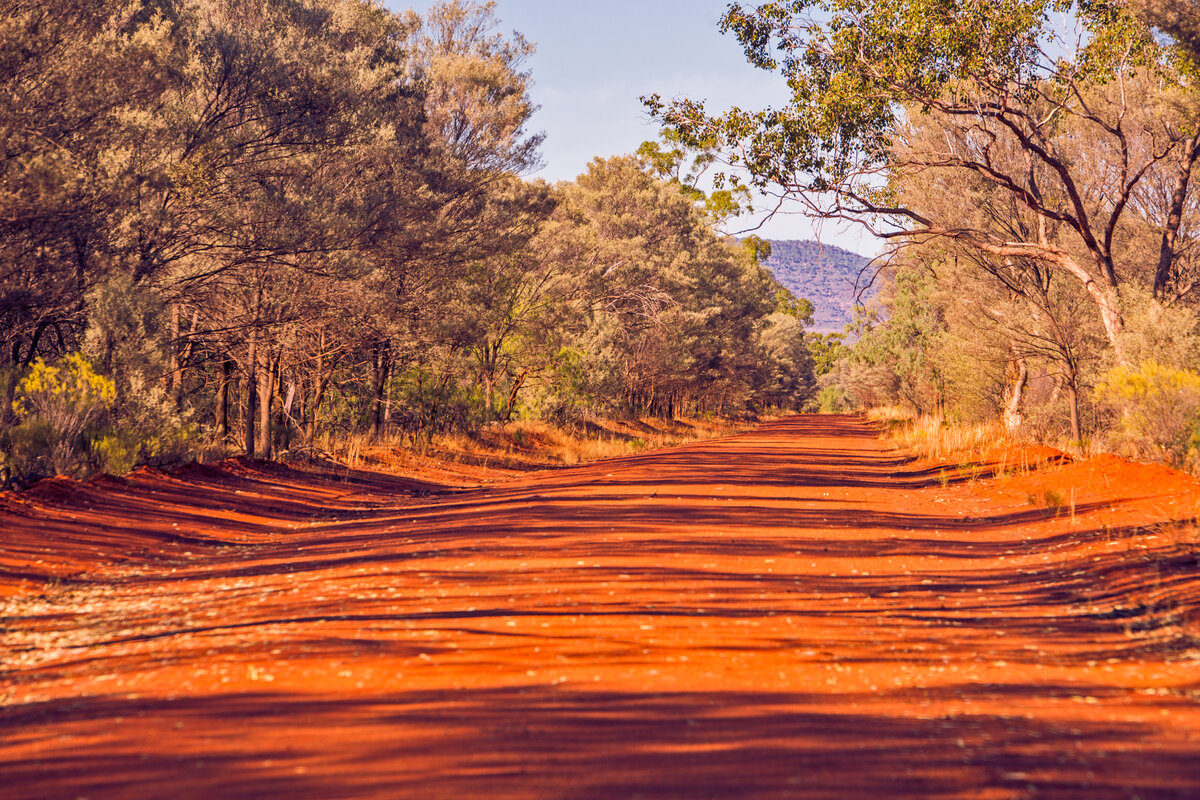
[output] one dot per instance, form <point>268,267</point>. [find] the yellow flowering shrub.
<point>1154,413</point>
<point>68,390</point>
<point>55,405</point>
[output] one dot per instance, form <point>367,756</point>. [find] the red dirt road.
<point>793,612</point>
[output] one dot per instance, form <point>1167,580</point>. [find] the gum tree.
<point>1025,94</point>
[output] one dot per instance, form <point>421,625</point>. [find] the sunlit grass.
<point>933,437</point>
<point>521,445</point>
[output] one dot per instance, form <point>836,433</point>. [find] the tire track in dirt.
<point>791,612</point>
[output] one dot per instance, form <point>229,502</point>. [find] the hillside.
<point>824,274</point>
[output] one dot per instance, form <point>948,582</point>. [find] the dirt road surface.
<point>794,612</point>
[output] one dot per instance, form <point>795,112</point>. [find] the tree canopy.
<point>1020,98</point>
<point>273,223</point>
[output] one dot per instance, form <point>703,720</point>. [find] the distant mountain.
<point>824,274</point>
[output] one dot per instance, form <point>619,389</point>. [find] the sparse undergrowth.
<point>935,438</point>
<point>521,445</point>
<point>967,451</point>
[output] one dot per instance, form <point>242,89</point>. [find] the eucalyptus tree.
<point>675,313</point>
<point>299,160</point>
<point>1017,95</point>
<point>76,80</point>
<point>471,108</point>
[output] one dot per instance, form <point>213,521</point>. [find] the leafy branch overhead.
<point>1070,113</point>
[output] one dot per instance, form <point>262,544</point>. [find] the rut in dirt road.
<point>792,612</point>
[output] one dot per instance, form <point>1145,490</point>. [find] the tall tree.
<point>1014,93</point>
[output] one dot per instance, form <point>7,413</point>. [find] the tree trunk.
<point>1012,410</point>
<point>222,403</point>
<point>1108,303</point>
<point>175,388</point>
<point>1073,403</point>
<point>251,380</point>
<point>314,408</point>
<point>382,368</point>
<point>285,411</point>
<point>512,395</point>
<point>266,395</point>
<point>1166,252</point>
<point>251,371</point>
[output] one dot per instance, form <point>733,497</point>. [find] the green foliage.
<point>1154,331</point>
<point>73,420</point>
<point>264,222</point>
<point>852,66</point>
<point>669,161</point>
<point>800,308</point>
<point>758,247</point>
<point>897,358</point>
<point>115,452</point>
<point>826,350</point>
<point>832,400</point>
<point>149,420</point>
<point>1154,411</point>
<point>55,405</point>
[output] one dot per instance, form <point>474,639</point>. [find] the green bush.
<point>114,451</point>
<point>147,419</point>
<point>70,421</point>
<point>832,400</point>
<point>1153,413</point>
<point>55,405</point>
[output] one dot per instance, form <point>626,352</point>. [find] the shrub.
<point>68,395</point>
<point>1153,413</point>
<point>150,430</point>
<point>832,400</point>
<point>55,405</point>
<point>1166,335</point>
<point>115,451</point>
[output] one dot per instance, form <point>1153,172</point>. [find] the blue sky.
<point>595,59</point>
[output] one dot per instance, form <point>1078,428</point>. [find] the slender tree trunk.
<point>382,369</point>
<point>1016,394</point>
<point>222,403</point>
<point>1073,403</point>
<point>512,395</point>
<point>489,391</point>
<point>251,376</point>
<point>251,381</point>
<point>265,396</point>
<point>314,409</point>
<point>1166,252</point>
<point>285,411</point>
<point>1108,303</point>
<point>175,389</point>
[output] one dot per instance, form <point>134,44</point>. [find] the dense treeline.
<point>264,221</point>
<point>1031,166</point>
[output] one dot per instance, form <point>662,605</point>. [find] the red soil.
<point>792,612</point>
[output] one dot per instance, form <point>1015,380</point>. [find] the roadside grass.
<point>935,438</point>
<point>968,451</point>
<point>522,445</point>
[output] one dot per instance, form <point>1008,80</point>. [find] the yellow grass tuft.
<point>504,449</point>
<point>933,437</point>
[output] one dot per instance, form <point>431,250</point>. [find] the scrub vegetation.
<point>249,227</point>
<point>1030,166</point>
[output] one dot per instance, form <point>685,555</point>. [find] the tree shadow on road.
<point>547,742</point>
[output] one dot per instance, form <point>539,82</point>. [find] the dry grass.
<point>970,450</point>
<point>933,437</point>
<point>501,450</point>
